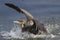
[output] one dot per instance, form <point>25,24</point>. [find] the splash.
<point>16,33</point>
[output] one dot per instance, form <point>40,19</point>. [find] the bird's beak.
<point>17,22</point>
<point>20,23</point>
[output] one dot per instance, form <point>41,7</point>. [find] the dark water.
<point>48,11</point>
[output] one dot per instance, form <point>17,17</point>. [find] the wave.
<point>16,32</point>
<point>51,25</point>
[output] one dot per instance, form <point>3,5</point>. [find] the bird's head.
<point>20,22</point>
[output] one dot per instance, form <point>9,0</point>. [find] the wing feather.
<point>27,14</point>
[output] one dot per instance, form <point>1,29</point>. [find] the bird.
<point>31,25</point>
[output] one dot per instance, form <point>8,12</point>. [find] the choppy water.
<point>16,34</point>
<point>47,11</point>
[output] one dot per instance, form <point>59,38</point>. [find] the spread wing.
<point>27,14</point>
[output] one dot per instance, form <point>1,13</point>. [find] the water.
<point>16,33</point>
<point>47,11</point>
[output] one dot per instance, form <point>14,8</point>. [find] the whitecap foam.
<point>16,32</point>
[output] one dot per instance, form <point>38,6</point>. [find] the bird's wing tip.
<point>8,4</point>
